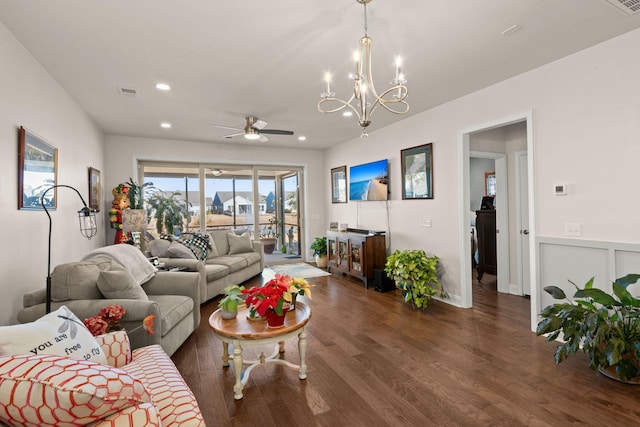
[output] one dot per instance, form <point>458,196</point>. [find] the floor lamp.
<point>88,228</point>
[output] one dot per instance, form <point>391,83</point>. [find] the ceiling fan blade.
<point>233,134</point>
<point>263,138</point>
<point>276,132</point>
<point>225,127</point>
<point>259,124</point>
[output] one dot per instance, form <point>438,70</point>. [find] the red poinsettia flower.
<point>108,320</point>
<point>112,313</point>
<point>271,296</point>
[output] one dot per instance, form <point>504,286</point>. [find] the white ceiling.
<point>228,59</point>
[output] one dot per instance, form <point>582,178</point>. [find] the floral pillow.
<point>59,332</point>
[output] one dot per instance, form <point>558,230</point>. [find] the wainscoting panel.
<point>561,260</point>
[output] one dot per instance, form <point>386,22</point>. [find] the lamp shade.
<point>134,220</point>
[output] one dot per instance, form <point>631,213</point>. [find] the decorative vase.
<point>274,320</point>
<point>321,261</point>
<point>226,314</point>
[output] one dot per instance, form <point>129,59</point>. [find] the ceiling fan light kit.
<point>254,130</point>
<point>365,98</point>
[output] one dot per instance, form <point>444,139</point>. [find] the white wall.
<point>29,97</point>
<point>123,152</point>
<point>586,126</point>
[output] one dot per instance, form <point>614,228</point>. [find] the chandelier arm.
<point>332,99</point>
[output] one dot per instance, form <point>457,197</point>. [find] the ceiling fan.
<point>254,130</point>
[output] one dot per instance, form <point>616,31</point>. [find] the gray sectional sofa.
<point>230,259</point>
<point>122,275</point>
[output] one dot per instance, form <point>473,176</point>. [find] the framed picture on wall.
<point>490,183</point>
<point>339,185</point>
<point>37,171</point>
<point>417,172</point>
<point>94,189</point>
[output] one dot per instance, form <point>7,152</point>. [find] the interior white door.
<point>523,221</point>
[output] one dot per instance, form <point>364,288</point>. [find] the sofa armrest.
<point>258,246</point>
<point>36,297</point>
<point>177,283</point>
<point>191,265</point>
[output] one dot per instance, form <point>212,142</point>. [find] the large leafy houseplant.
<point>169,211</point>
<point>319,247</point>
<point>415,274</point>
<point>606,326</point>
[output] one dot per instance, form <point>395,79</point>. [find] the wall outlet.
<point>425,223</point>
<point>572,229</point>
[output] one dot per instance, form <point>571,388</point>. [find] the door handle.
<point>525,231</point>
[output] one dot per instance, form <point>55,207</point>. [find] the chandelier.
<point>365,100</point>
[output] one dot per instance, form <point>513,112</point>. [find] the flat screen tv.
<point>369,181</point>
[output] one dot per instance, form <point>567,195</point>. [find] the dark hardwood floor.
<point>375,361</point>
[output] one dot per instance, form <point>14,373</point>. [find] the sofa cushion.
<point>213,249</point>
<point>117,283</point>
<point>239,243</point>
<point>173,398</point>
<point>215,271</point>
<point>221,241</point>
<point>174,308</point>
<point>77,280</point>
<point>178,250</point>
<point>59,332</point>
<point>48,390</point>
<point>250,257</point>
<point>232,262</point>
<point>158,248</point>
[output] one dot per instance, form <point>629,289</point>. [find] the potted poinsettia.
<point>271,300</point>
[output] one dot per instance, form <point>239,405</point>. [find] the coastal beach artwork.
<point>369,181</point>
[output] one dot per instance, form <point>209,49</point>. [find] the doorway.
<point>510,281</point>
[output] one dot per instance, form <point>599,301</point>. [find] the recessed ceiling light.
<point>163,86</point>
<point>165,125</point>
<point>302,138</point>
<point>347,114</point>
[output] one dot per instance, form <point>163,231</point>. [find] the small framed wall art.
<point>417,172</point>
<point>94,189</point>
<point>37,171</point>
<point>339,185</point>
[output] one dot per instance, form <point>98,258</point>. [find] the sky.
<point>214,184</point>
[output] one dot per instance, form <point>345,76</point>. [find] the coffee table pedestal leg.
<point>237,367</point>
<point>225,354</point>
<point>302,349</point>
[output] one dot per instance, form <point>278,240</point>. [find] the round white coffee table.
<point>241,331</point>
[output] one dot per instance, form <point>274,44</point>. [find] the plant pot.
<point>610,372</point>
<point>274,320</point>
<point>269,245</point>
<point>227,315</point>
<point>253,315</point>
<point>321,261</point>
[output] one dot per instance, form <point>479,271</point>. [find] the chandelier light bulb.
<point>365,100</point>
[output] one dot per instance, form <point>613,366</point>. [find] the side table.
<point>241,331</point>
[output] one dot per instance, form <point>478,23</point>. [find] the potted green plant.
<point>319,247</point>
<point>416,276</point>
<point>168,211</point>
<point>270,235</point>
<point>606,326</point>
<point>229,303</point>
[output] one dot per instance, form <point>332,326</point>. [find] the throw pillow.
<point>76,280</point>
<point>117,283</point>
<point>178,250</point>
<point>59,332</point>
<point>213,249</point>
<point>239,244</point>
<point>222,243</point>
<point>158,247</point>
<point>198,243</point>
<point>46,390</point>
